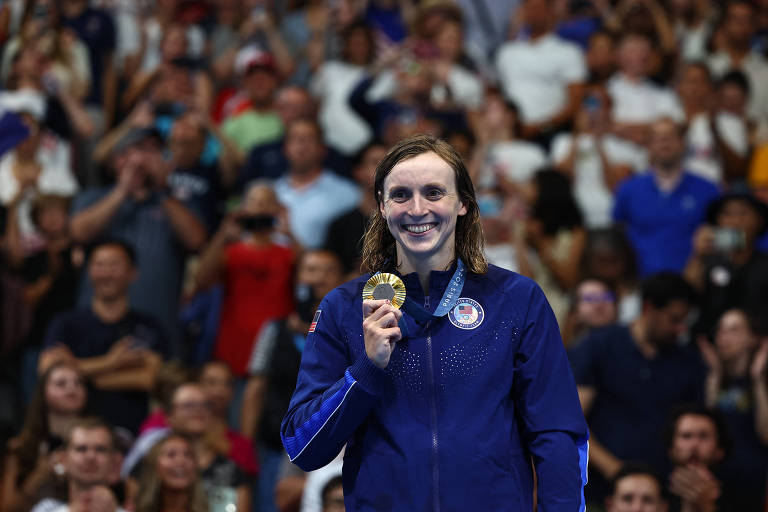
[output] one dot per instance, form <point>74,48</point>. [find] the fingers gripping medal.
<point>385,286</point>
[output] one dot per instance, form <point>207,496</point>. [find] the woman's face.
<point>449,40</point>
<point>421,206</point>
<point>733,337</point>
<point>65,391</point>
<point>358,48</point>
<point>176,467</point>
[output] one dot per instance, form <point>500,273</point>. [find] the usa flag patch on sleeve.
<point>315,320</point>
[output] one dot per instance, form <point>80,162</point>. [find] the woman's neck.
<point>424,268</point>
<point>175,501</point>
<point>737,367</point>
<point>58,423</point>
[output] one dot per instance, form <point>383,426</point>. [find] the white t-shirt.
<point>535,74</point>
<point>592,194</point>
<point>518,160</point>
<point>755,67</point>
<point>702,158</point>
<point>642,102</point>
<point>55,178</point>
<point>344,129</point>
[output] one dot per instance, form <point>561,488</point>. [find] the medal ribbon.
<point>447,302</point>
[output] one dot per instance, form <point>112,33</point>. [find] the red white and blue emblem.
<point>316,319</point>
<point>466,314</point>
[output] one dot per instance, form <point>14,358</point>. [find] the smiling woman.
<point>170,480</point>
<point>448,182</point>
<point>442,402</point>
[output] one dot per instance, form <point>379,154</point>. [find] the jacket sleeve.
<point>334,394</point>
<point>552,423</point>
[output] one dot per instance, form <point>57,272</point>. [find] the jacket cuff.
<point>369,376</point>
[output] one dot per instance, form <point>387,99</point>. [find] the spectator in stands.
<point>217,382</point>
<point>629,378</point>
<point>717,140</point>
<point>115,346</point>
<point>313,196</point>
<point>96,29</point>
<point>735,52</point>
<point>169,479</point>
<point>733,95</point>
<point>552,238</point>
<point>251,119</point>
<point>395,100</point>
<point>636,488</point>
<point>59,399</point>
<point>637,101</point>
<point>593,306</point>
<point>155,21</point>
<point>594,159</point>
<point>455,82</point>
<point>193,181</point>
<point>661,209</point>
<point>50,274</point>
<point>697,443</point>
<point>609,256</point>
<point>38,165</point>
<point>725,266</point>
<point>692,22</point>
<point>178,82</point>
<point>333,495</point>
<point>139,210</point>
<point>255,272</point>
<point>345,233</point>
<point>189,415</point>
<point>89,463</point>
<point>737,388</point>
<point>601,58</point>
<point>501,155</point>
<point>542,73</point>
<point>268,160</point>
<point>332,84</point>
<point>274,365</point>
<point>314,484</point>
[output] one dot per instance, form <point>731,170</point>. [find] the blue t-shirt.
<point>86,335</point>
<point>313,207</point>
<point>661,224</point>
<point>634,395</point>
<point>199,187</point>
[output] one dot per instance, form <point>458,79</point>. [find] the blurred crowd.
<point>182,181</point>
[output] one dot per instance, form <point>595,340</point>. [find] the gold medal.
<point>385,286</point>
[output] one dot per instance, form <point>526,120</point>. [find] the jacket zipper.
<point>433,417</point>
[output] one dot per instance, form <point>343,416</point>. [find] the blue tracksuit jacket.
<point>465,404</point>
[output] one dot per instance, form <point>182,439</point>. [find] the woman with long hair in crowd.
<point>169,479</point>
<point>60,397</point>
<point>555,231</point>
<point>737,387</point>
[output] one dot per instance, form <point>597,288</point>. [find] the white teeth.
<point>419,228</point>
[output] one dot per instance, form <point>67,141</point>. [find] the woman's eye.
<point>434,193</point>
<point>398,195</point>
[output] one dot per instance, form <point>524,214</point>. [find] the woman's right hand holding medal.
<point>380,330</point>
